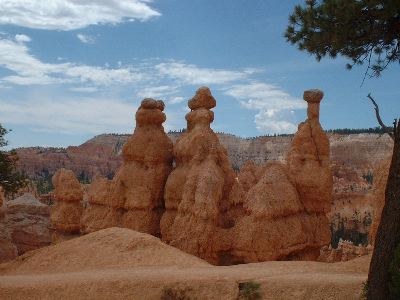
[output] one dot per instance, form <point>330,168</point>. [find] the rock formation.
<point>285,210</point>
<point>308,159</point>
<point>267,213</point>
<point>276,211</point>
<point>28,222</point>
<point>197,191</point>
<point>345,251</point>
<point>134,198</point>
<point>24,226</point>
<point>100,213</point>
<point>8,251</point>
<point>68,195</point>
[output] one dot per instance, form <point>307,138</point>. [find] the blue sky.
<point>73,69</point>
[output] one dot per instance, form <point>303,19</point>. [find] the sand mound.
<point>108,248</point>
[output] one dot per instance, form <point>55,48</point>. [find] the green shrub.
<point>364,290</point>
<point>250,290</point>
<point>171,293</point>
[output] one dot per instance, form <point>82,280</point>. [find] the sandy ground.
<point>122,264</point>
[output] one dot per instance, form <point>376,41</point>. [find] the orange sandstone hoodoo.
<point>199,186</point>
<point>134,198</point>
<point>66,214</point>
<point>278,214</point>
<point>285,210</point>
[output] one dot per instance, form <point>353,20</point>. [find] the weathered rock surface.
<point>267,213</point>
<point>68,195</point>
<point>99,213</point>
<point>8,251</point>
<point>308,159</point>
<point>381,176</point>
<point>197,190</point>
<point>134,198</point>
<point>286,210</point>
<point>24,226</point>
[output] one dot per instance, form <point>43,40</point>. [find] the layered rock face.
<point>24,226</point>
<point>134,198</point>
<point>68,195</point>
<point>197,191</point>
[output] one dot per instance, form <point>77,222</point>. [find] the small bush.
<point>364,290</point>
<point>250,290</point>
<point>170,293</point>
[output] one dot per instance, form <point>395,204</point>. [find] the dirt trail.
<point>122,264</point>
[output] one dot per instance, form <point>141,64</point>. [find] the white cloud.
<point>72,116</point>
<point>29,70</point>
<point>84,89</point>
<point>274,105</point>
<point>156,91</point>
<point>73,14</point>
<point>169,81</point>
<point>22,38</point>
<point>86,39</point>
<point>176,100</point>
<point>191,74</point>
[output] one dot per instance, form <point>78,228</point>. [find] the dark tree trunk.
<point>388,234</point>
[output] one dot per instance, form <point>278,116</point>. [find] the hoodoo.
<point>134,198</point>
<point>198,188</point>
<point>66,214</point>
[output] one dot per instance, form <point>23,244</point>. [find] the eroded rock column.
<point>65,216</point>
<point>286,202</point>
<point>197,191</point>
<point>308,159</point>
<point>139,184</point>
<point>134,198</point>
<point>309,167</point>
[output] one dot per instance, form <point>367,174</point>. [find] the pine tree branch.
<point>378,117</point>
